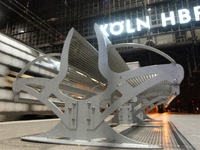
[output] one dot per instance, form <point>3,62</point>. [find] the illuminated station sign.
<point>184,17</point>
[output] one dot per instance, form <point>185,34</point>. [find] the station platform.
<point>175,131</point>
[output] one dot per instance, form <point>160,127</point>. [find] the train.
<point>14,55</point>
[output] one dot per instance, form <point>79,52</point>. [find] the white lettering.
<point>103,29</point>
<point>118,27</point>
<point>128,27</point>
<point>197,12</point>
<point>145,24</point>
<point>171,18</point>
<point>184,16</point>
<point>121,28</point>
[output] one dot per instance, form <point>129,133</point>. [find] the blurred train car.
<point>14,55</point>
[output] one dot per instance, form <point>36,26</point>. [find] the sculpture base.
<point>95,142</point>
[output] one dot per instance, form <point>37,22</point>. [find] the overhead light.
<point>94,80</point>
<point>103,84</point>
<point>81,73</point>
<point>149,9</point>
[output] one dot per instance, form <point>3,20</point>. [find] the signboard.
<point>117,28</point>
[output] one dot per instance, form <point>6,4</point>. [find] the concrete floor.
<point>187,124</point>
<point>10,132</point>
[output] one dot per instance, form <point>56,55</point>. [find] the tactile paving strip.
<point>164,134</point>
